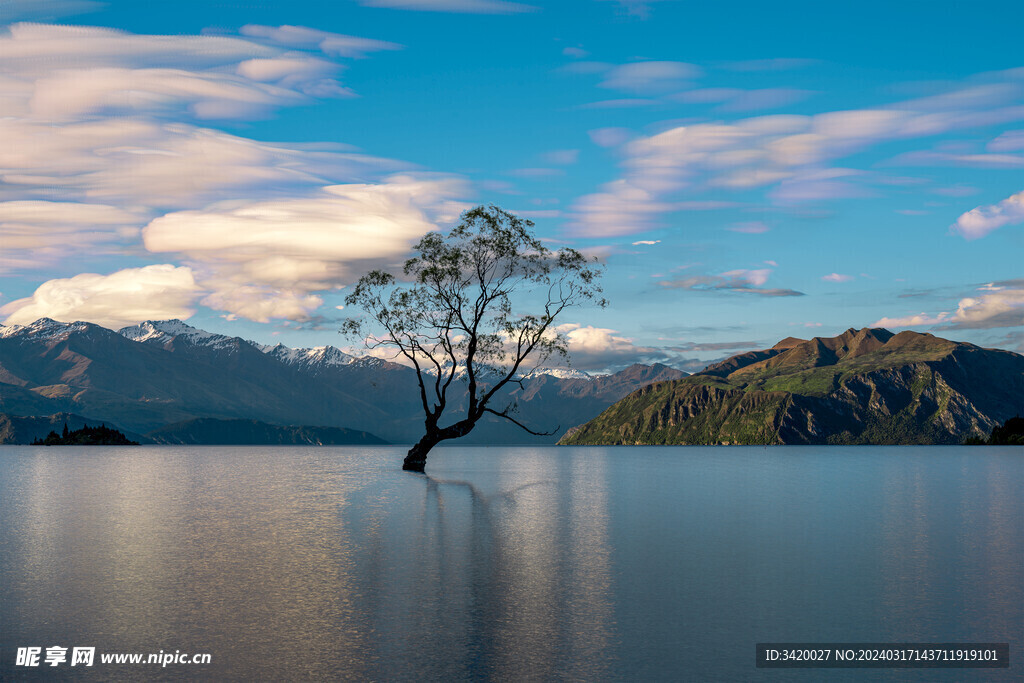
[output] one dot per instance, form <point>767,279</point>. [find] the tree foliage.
<point>1010,433</point>
<point>456,313</point>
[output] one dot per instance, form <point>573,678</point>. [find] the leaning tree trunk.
<point>416,460</point>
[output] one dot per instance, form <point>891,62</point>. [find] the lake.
<point>624,563</point>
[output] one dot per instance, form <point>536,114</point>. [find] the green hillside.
<point>864,386</point>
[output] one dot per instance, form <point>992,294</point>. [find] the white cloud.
<point>918,320</point>
<point>598,348</point>
<point>999,304</point>
<point>458,6</point>
<point>575,52</point>
<point>263,260</point>
<point>836,277</point>
<point>260,303</point>
<point>125,297</point>
<point>647,242</point>
<point>1001,308</point>
<point>96,144</point>
<point>982,220</point>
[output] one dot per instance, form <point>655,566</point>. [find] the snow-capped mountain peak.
<point>44,328</point>
<point>564,373</point>
<point>317,356</point>
<point>165,329</point>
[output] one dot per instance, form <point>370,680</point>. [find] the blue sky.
<point>746,172</point>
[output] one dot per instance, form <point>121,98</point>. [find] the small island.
<point>86,436</point>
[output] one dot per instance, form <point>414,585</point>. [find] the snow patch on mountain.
<point>43,329</point>
<point>485,373</point>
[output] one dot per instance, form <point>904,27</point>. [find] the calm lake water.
<point>507,563</point>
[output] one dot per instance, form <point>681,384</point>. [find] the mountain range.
<point>863,386</point>
<point>144,378</point>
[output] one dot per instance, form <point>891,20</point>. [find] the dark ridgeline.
<point>157,374</point>
<point>86,436</point>
<point>211,432</point>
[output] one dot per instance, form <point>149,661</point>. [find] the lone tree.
<point>455,314</point>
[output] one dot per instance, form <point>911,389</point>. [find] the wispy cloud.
<point>640,9</point>
<point>336,44</point>
<point>772,64</point>
<point>536,172</point>
<point>935,158</point>
<point>737,100</point>
<point>740,281</point>
<point>45,10</point>
<point>650,77</point>
<point>40,233</point>
<point>749,227</point>
<point>561,157</point>
<point>625,103</point>
<point>837,277</point>
<point>1010,141</point>
<point>100,131</point>
<point>793,158</point>
<point>457,6</point>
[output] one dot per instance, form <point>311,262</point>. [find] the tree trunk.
<point>416,460</point>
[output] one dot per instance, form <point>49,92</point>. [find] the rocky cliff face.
<point>864,386</point>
